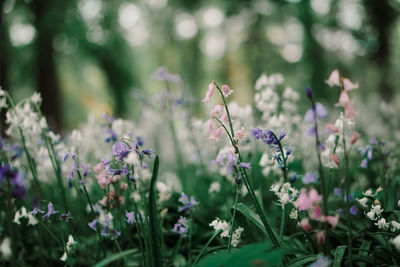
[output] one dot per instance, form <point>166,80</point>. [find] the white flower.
<point>368,193</point>
<point>395,226</point>
<point>382,224</point>
<point>5,247</point>
<point>363,201</point>
<point>64,257</point>
<point>236,236</point>
<point>377,209</point>
<point>398,203</point>
<point>275,188</point>
<point>164,191</point>
<point>36,98</point>
<point>23,214</point>
<point>214,187</point>
<point>293,214</point>
<point>396,242</point>
<point>219,224</point>
<point>70,243</point>
<point>371,215</point>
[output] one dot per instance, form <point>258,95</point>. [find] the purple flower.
<point>120,150</point>
<point>181,226</point>
<point>340,210</point>
<point>319,109</point>
<point>373,141</point>
<point>104,232</point>
<point>112,136</point>
<point>85,169</point>
<point>115,234</point>
<point>293,179</point>
<point>50,211</point>
<point>256,132</point>
<point>220,159</point>
<point>353,210</point>
<point>139,141</point>
<point>309,178</point>
<point>66,217</point>
<point>125,169</point>
<point>288,151</point>
<point>148,152</point>
<point>364,163</point>
<point>244,165</point>
<point>231,163</point>
<point>337,192</point>
<point>186,202</point>
<point>282,135</point>
<point>65,156</point>
<point>308,92</point>
<point>130,217</point>
<point>93,225</point>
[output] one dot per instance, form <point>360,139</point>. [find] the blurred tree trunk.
<point>4,48</point>
<point>382,16</point>
<point>47,17</point>
<point>312,51</point>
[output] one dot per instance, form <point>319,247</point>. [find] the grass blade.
<point>154,230</point>
<point>339,252</point>
<point>116,257</point>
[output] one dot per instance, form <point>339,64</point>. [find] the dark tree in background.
<point>383,16</point>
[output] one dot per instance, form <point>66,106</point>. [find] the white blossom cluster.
<point>3,99</point>
<point>375,212</point>
<point>222,225</point>
<point>286,195</point>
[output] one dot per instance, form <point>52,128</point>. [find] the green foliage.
<point>247,256</point>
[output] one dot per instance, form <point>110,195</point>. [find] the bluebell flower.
<point>125,169</point>
<point>308,92</point>
<point>93,225</point>
<point>66,216</point>
<point>181,227</point>
<point>130,217</point>
<point>353,210</point>
<point>65,156</point>
<point>120,150</point>
<point>115,234</point>
<point>309,178</point>
<point>186,202</point>
<point>50,211</point>
<point>337,192</point>
<point>244,165</point>
<point>85,169</point>
<point>139,141</point>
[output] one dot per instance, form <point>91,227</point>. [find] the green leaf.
<point>339,252</point>
<point>302,261</point>
<point>254,218</point>
<point>365,246</point>
<point>116,257</point>
<point>251,255</point>
<point>154,229</point>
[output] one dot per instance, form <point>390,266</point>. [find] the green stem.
<point>203,249</point>
<point>244,174</point>
<point>233,219</point>
<point>282,222</point>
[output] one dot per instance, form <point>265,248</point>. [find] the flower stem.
<point>233,219</point>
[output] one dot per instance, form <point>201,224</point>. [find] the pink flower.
<point>224,118</point>
<point>209,124</point>
<point>333,220</point>
<point>217,110</point>
<point>349,111</point>
<point>303,202</point>
<point>334,79</point>
<point>332,128</point>
<point>240,135</point>
<point>226,91</point>
<point>348,85</point>
<point>344,99</point>
<point>313,195</point>
<point>305,224</point>
<point>210,92</point>
<point>98,168</point>
<point>321,237</point>
<point>354,138</point>
<point>335,159</point>
<point>216,134</point>
<point>104,200</point>
<point>316,214</point>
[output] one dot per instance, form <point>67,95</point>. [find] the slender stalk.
<point>346,158</point>
<point>282,222</point>
<point>244,174</point>
<point>233,219</point>
<point>203,249</point>
<point>31,164</point>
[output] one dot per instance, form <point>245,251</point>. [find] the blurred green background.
<point>88,56</point>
